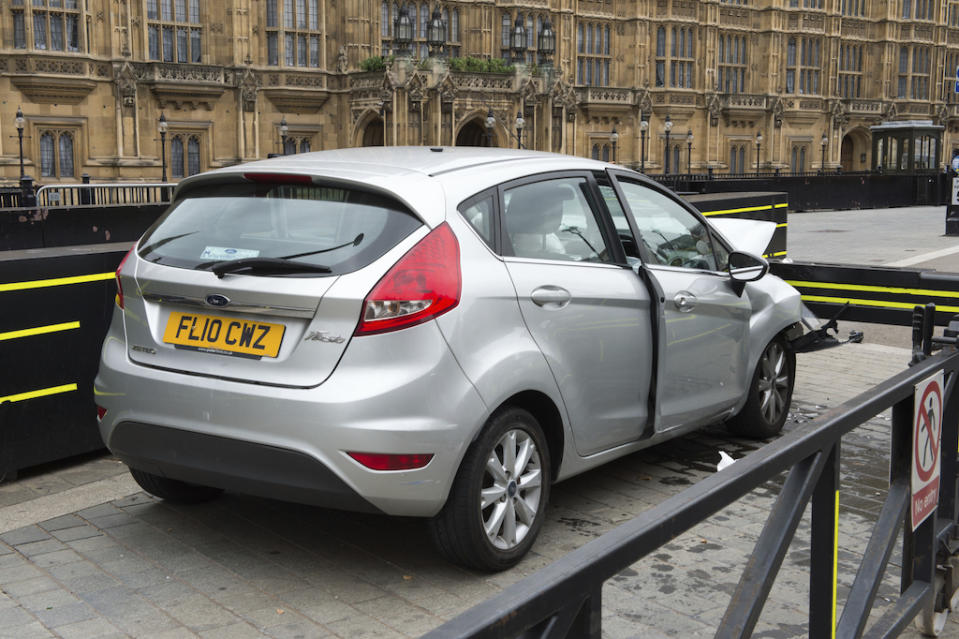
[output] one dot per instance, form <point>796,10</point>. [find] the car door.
<point>703,367</point>
<point>585,308</point>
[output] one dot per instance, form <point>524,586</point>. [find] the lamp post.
<point>668,125</point>
<point>436,32</point>
<point>614,138</point>
<point>759,141</point>
<point>162,127</point>
<point>520,123</point>
<point>403,31</point>
<point>643,125</point>
<point>824,141</point>
<point>490,123</point>
<point>284,129</point>
<point>689,152</point>
<point>20,123</point>
<point>518,41</point>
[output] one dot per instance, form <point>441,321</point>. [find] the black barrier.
<point>564,599</point>
<point>69,226</point>
<point>877,294</point>
<point>767,207</point>
<point>827,191</point>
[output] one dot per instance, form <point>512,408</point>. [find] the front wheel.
<point>770,393</point>
<point>498,499</point>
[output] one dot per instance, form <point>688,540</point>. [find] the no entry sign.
<point>926,439</point>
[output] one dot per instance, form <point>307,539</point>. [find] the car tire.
<point>488,495</point>
<point>770,393</point>
<point>173,490</point>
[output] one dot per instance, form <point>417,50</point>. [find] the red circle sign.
<point>928,422</point>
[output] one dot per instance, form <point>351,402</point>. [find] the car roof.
<point>421,176</point>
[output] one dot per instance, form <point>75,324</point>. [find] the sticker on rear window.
<point>226,253</point>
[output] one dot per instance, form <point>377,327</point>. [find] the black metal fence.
<point>565,599</point>
<point>808,191</point>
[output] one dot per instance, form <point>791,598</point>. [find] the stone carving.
<point>416,87</point>
<point>447,89</point>
<point>778,110</point>
<point>248,88</point>
<point>714,107</point>
<point>941,116</point>
<point>179,72</point>
<point>890,111</point>
<point>563,94</point>
<point>342,63</point>
<point>840,118</point>
<point>126,81</point>
<point>482,81</point>
<point>529,92</point>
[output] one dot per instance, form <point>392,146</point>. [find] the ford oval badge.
<point>217,300</point>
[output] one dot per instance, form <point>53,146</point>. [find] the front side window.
<point>672,235</point>
<point>341,228</point>
<point>174,31</point>
<point>553,220</point>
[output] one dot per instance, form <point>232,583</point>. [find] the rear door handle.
<point>684,301</point>
<point>552,297</point>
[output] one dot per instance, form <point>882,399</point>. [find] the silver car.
<point>432,332</point>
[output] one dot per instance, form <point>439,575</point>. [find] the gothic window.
<point>506,28</point>
<point>918,9</point>
<point>56,24</point>
<point>798,164</point>
<point>681,58</point>
<point>850,70</point>
<point>661,56</point>
<point>803,70</point>
<point>732,64</point>
<point>57,153</point>
<point>293,33</point>
<point>677,154</point>
<point>605,153</point>
<point>952,17</point>
<point>855,8</point>
<point>289,147</point>
<point>949,83</point>
<point>184,155</point>
<point>305,145</point>
<point>174,31</point>
<point>737,158</point>
<point>421,32</point>
<point>595,154</point>
<point>593,54</point>
<point>913,78</point>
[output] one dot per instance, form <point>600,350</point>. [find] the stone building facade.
<point>809,76</point>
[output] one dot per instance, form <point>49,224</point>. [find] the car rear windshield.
<point>340,228</point>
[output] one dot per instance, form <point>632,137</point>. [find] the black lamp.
<point>546,41</point>
<point>614,138</point>
<point>518,40</point>
<point>403,31</point>
<point>520,123</point>
<point>162,128</point>
<point>490,123</point>
<point>643,126</point>
<point>436,32</point>
<point>759,141</point>
<point>20,123</point>
<point>689,151</point>
<point>284,129</point>
<point>668,125</point>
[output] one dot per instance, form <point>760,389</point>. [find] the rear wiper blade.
<point>266,264</point>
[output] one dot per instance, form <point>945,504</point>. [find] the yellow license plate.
<point>223,334</point>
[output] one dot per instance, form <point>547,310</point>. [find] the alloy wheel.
<point>773,384</point>
<point>511,491</point>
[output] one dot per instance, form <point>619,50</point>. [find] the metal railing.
<point>104,193</point>
<point>565,598</point>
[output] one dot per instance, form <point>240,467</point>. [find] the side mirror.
<point>746,267</point>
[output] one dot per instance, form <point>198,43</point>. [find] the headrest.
<point>537,208</point>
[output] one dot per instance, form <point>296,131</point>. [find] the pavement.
<point>84,553</point>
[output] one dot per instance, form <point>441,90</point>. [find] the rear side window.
<point>343,229</point>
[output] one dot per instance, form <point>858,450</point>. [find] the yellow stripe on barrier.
<point>783,225</point>
<point>57,281</point>
<point>745,209</point>
<point>878,303</point>
<point>776,254</point>
<point>874,289</point>
<point>43,392</point>
<point>39,330</point>
<point>781,206</point>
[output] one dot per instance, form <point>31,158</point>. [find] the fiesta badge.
<point>217,300</point>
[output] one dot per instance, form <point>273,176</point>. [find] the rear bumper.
<point>246,467</point>
<point>390,393</point>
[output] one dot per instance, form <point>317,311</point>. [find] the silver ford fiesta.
<point>433,332</point>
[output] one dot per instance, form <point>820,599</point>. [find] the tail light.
<point>119,284</point>
<point>101,413</point>
<point>380,461</point>
<point>423,284</point>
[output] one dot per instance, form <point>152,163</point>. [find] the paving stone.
<point>32,630</point>
<point>103,510</point>
<point>296,630</point>
<point>179,632</point>
<point>361,627</point>
<point>29,586</point>
<point>91,544</point>
<point>136,617</point>
<point>57,558</point>
<point>63,615</point>
<point>134,500</point>
<point>5,549</point>
<point>60,523</point>
<point>32,548</point>
<point>75,533</point>
<point>74,569</point>
<point>233,631</point>
<point>25,535</point>
<point>47,600</point>
<point>17,616</point>
<point>98,628</point>
<point>199,613</point>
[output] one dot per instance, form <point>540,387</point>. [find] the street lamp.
<point>403,31</point>
<point>520,123</point>
<point>643,125</point>
<point>284,129</point>
<point>689,152</point>
<point>436,32</point>
<point>518,40</point>
<point>759,140</point>
<point>668,125</point>
<point>824,141</point>
<point>162,127</point>
<point>614,138</point>
<point>490,123</point>
<point>20,123</point>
